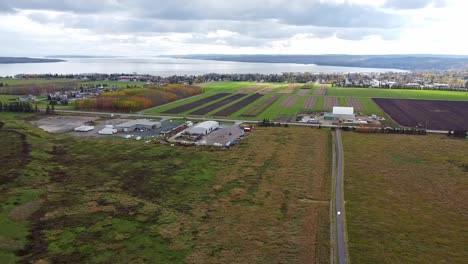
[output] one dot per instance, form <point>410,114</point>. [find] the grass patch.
<point>405,198</point>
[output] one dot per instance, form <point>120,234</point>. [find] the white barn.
<point>343,112</point>
<point>203,128</point>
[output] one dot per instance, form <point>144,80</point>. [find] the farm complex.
<point>289,102</point>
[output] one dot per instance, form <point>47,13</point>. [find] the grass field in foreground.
<point>406,198</point>
<point>109,200</point>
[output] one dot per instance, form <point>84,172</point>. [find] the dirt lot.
<point>439,115</point>
<point>303,91</point>
<point>62,124</point>
<point>223,136</point>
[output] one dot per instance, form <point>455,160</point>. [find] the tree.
<point>36,108</point>
<point>53,109</point>
<point>48,110</point>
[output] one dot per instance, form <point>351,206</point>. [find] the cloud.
<point>413,4</point>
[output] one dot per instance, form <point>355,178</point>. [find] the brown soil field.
<point>330,102</point>
<point>303,92</point>
<point>239,105</point>
<point>320,91</point>
<point>353,102</point>
<point>273,201</point>
<point>406,198</point>
<point>257,109</point>
<point>252,88</point>
<point>310,102</point>
<point>205,110</point>
<point>192,105</point>
<point>269,89</point>
<point>290,101</point>
<point>289,89</point>
<point>439,115</point>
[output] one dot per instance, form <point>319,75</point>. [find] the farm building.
<point>138,124</point>
<point>203,128</point>
<point>108,130</point>
<point>84,128</point>
<point>343,113</point>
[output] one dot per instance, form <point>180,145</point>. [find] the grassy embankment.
<point>110,200</point>
<point>406,198</point>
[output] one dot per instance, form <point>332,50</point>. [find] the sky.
<point>160,27</point>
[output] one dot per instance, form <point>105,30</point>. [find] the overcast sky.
<point>154,27</point>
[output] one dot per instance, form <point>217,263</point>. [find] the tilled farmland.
<point>252,88</point>
<point>330,102</point>
<point>303,91</point>
<point>192,105</point>
<point>438,115</point>
<point>239,105</point>
<point>353,102</point>
<point>309,102</point>
<point>257,109</point>
<point>320,91</point>
<point>289,89</point>
<point>269,89</point>
<point>209,108</point>
<point>290,101</point>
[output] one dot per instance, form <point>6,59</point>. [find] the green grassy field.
<point>397,93</point>
<point>116,84</point>
<point>34,81</point>
<point>108,200</point>
<point>406,198</point>
<point>6,98</point>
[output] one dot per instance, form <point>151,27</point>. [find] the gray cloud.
<point>252,23</point>
<point>413,4</point>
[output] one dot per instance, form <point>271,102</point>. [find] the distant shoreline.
<point>15,60</point>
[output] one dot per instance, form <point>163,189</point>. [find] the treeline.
<point>38,89</point>
<point>136,99</point>
<point>25,107</point>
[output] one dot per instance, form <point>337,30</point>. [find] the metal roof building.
<point>203,128</point>
<point>138,124</point>
<point>346,113</point>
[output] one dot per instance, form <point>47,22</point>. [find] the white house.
<point>203,128</point>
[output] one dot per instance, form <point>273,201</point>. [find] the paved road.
<point>340,231</point>
<point>167,117</point>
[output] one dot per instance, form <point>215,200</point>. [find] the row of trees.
<point>135,99</point>
<point>25,107</point>
<point>38,89</point>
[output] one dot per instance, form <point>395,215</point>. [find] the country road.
<point>338,209</point>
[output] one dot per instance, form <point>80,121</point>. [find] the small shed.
<point>203,128</point>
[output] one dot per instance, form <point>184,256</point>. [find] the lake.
<point>168,66</point>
